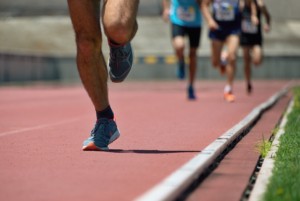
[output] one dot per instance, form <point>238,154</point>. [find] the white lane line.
<point>38,127</point>
<point>172,186</point>
<point>265,172</point>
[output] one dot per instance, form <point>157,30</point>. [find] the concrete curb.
<point>265,172</point>
<point>175,184</point>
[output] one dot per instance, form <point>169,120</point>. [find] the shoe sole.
<point>192,98</point>
<point>92,147</point>
<point>119,79</point>
<point>230,99</point>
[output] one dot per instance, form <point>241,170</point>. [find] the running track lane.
<point>42,128</point>
<point>230,179</point>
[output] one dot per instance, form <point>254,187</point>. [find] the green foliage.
<point>284,185</point>
<point>264,147</point>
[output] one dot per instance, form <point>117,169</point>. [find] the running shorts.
<point>194,34</point>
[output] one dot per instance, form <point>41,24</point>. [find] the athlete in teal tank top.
<point>186,20</point>
<point>185,13</point>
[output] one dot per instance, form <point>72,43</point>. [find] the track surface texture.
<point>42,128</point>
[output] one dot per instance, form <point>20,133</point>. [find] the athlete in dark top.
<point>252,38</point>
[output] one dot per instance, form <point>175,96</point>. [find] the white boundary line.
<point>38,127</point>
<point>172,186</point>
<point>265,172</point>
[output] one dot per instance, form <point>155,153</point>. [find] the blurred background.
<point>37,44</point>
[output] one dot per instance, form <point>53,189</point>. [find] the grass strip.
<point>284,184</point>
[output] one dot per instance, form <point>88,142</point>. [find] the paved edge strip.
<point>266,172</point>
<point>172,186</point>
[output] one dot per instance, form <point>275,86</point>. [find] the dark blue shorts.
<point>221,34</point>
<point>194,34</point>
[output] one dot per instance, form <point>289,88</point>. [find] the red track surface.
<point>42,128</point>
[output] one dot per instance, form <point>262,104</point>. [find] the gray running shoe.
<point>120,61</point>
<point>104,133</point>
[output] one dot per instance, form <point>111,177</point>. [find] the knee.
<point>231,58</point>
<point>257,61</point>
<point>179,49</point>
<point>119,30</point>
<point>87,44</point>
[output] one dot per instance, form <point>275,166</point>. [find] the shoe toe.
<point>92,147</point>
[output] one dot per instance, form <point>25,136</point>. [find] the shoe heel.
<point>114,137</point>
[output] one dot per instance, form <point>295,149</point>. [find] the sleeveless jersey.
<point>185,13</point>
<point>226,13</point>
<point>247,26</point>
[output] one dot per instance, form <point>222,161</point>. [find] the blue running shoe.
<point>191,93</point>
<point>104,133</point>
<point>120,61</point>
<point>181,70</point>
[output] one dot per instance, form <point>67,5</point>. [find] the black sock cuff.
<point>106,113</point>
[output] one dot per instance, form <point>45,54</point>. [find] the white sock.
<point>227,89</point>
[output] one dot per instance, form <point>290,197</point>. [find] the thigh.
<point>232,43</point>
<point>85,16</point>
<point>124,11</point>
<point>216,48</point>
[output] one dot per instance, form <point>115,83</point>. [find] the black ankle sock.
<point>106,113</point>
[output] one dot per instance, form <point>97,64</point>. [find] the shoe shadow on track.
<point>137,151</point>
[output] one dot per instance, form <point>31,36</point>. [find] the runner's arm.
<point>266,14</point>
<point>205,8</point>
<point>254,18</point>
<point>166,10</point>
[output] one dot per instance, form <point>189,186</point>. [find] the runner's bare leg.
<point>85,16</point>
<point>119,20</point>
<point>232,43</point>
<point>192,65</point>
<point>216,50</point>
<point>178,45</point>
<point>257,55</point>
<point>247,64</point>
